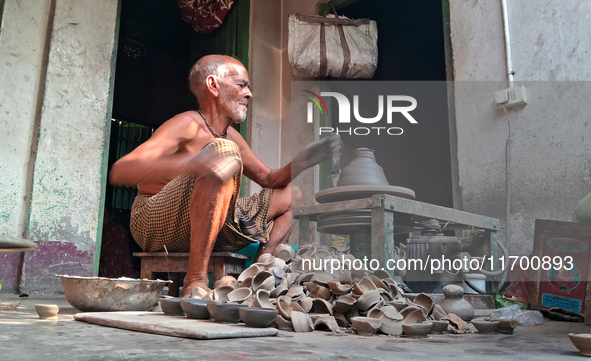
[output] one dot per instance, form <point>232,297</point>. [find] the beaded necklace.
<point>210,127</point>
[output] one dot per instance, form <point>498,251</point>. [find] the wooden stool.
<point>220,264</point>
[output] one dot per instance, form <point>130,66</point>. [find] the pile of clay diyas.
<point>291,295</point>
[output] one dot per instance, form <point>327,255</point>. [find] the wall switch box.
<point>511,97</point>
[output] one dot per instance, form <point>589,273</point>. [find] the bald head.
<point>214,65</point>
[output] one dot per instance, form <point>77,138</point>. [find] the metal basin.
<point>94,294</point>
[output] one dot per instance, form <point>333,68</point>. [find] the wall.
<point>22,63</point>
<point>264,120</point>
<point>550,154</point>
<point>68,173</point>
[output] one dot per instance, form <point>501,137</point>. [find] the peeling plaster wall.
<point>22,42</point>
<point>264,122</point>
<point>295,131</point>
<point>550,167</point>
<point>68,174</point>
<point>271,129</point>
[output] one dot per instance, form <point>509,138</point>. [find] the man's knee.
<point>297,197</point>
<point>227,162</point>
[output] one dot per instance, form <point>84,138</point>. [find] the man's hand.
<point>317,152</point>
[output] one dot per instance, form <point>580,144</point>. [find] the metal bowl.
<point>95,294</point>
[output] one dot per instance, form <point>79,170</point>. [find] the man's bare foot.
<point>188,288</point>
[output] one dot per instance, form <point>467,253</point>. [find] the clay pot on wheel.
<point>362,170</point>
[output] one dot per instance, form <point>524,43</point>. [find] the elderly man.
<point>188,177</point>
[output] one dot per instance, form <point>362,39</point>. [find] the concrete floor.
<point>23,336</point>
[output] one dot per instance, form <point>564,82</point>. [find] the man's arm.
<point>266,177</point>
<point>156,159</point>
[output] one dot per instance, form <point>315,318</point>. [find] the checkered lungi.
<point>161,221</point>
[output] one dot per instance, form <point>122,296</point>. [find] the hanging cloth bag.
<point>332,45</point>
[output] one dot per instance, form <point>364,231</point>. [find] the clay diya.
<point>457,325</point>
<point>344,304</point>
<point>306,251</point>
<point>301,322</point>
<point>368,300</point>
<point>408,310</point>
<point>390,326</point>
<point>198,292</point>
<point>295,292</point>
<point>283,306</point>
<point>341,320</point>
<point>507,326</point>
<point>399,305</point>
<point>325,322</point>
<point>320,292</point>
<point>379,284</point>
<point>364,286</point>
<point>321,306</point>
<point>47,312</point>
<point>284,252</point>
<point>296,307</point>
<point>257,317</point>
<point>171,306</point>
<point>196,308</point>
<point>322,278</point>
<point>425,301</point>
<point>281,289</point>
<point>247,282</point>
<point>381,274</point>
<point>416,316</point>
<point>307,303</point>
<point>226,281</point>
<point>337,288</point>
<point>345,277</point>
<point>439,326</point>
<point>250,272</point>
<point>484,326</point>
<point>417,329</point>
<point>438,313</point>
<point>225,312</point>
<point>219,294</point>
<point>239,295</point>
<point>283,324</point>
<point>582,341</point>
<point>365,326</point>
<point>263,281</point>
<point>262,300</point>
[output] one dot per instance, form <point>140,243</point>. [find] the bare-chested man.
<point>188,177</point>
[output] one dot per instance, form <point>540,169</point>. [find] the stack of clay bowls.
<point>293,293</point>
<point>307,298</point>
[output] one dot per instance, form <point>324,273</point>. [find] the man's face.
<point>235,92</point>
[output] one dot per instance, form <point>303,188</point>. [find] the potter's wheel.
<point>353,222</point>
<point>345,193</point>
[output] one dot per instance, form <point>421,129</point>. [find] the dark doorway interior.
<point>155,52</point>
<point>410,49</point>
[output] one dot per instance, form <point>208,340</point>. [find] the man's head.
<point>224,78</point>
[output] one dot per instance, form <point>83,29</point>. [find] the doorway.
<point>155,53</point>
<point>411,52</point>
